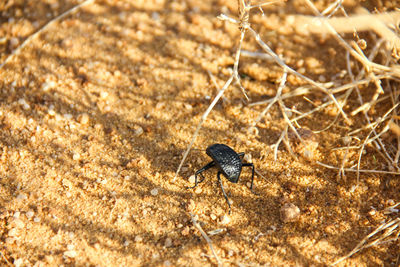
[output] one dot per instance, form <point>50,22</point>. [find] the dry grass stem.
<point>297,92</point>
<point>258,55</point>
<point>205,236</point>
<point>341,173</point>
<point>385,230</point>
<point>275,99</point>
<point>392,209</point>
<point>203,118</point>
<point>48,24</point>
<point>353,170</point>
<point>6,260</point>
<point>376,137</point>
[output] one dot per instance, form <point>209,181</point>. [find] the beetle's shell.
<point>227,161</point>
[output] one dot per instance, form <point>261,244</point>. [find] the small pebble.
<point>22,197</point>
<point>289,212</point>
<point>154,192</point>
<point>104,95</point>
<point>10,240</point>
<point>70,253</point>
<point>198,190</point>
<point>68,116</point>
<point>48,85</point>
<point>253,130</point>
<point>247,158</point>
<point>138,238</point>
<point>17,222</point>
<point>372,212</point>
<point>168,242</point>
<point>76,156</point>
<point>51,112</point>
<point>83,118</point>
<point>225,219</point>
<point>70,247</point>
<point>213,216</point>
<point>155,16</point>
<point>167,263</point>
<point>12,232</point>
<point>29,214</point>
<point>308,154</point>
<point>192,179</point>
<point>127,178</point>
<point>126,243</point>
<point>23,103</point>
<point>185,169</point>
<point>14,41</point>
<point>160,105</point>
<point>188,106</point>
<point>18,262</point>
<point>138,131</point>
<point>36,219</point>
<point>186,231</point>
<point>346,140</point>
<point>16,214</point>
<point>71,235</point>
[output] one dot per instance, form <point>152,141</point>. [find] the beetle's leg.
<point>199,172</point>
<point>223,191</point>
<point>252,175</point>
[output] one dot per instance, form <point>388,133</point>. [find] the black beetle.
<point>228,162</point>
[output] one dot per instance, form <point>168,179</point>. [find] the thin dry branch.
<point>281,63</point>
<point>362,22</point>
<point>368,65</point>
<point>353,170</point>
<point>275,99</point>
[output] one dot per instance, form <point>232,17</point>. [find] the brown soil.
<point>96,112</point>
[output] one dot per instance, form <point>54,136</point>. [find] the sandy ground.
<point>96,112</point>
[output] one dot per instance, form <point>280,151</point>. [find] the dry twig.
<point>197,225</point>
